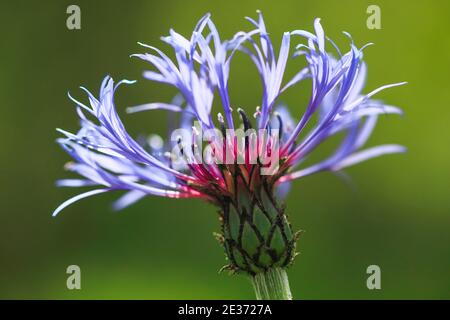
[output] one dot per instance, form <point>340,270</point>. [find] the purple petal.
<point>368,154</point>
<point>128,199</point>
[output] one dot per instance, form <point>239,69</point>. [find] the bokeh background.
<point>395,213</point>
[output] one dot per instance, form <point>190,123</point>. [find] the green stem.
<point>272,285</point>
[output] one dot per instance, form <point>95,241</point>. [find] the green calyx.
<point>256,234</point>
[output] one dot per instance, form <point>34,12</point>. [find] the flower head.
<point>245,161</point>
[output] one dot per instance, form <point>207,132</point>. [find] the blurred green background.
<point>395,214</point>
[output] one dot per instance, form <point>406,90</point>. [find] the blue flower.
<point>109,159</point>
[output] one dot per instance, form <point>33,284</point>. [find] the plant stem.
<point>272,285</point>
